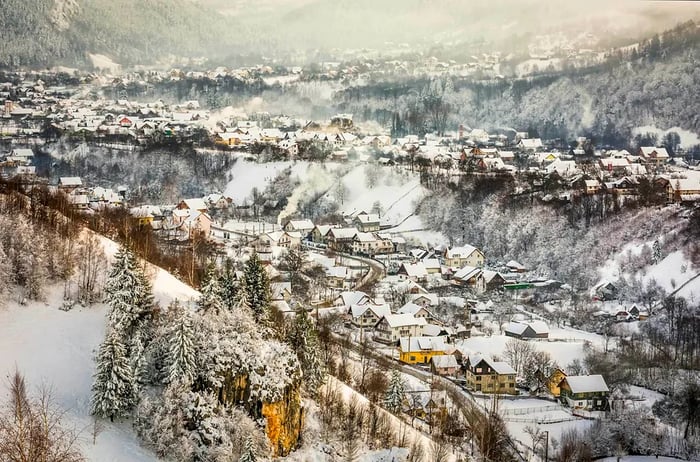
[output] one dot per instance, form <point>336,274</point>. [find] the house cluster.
<point>18,163</point>
<point>189,219</point>
<point>88,198</point>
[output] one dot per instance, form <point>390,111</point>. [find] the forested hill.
<point>46,32</point>
<point>653,84</point>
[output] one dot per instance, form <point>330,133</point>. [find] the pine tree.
<point>257,289</point>
<point>396,394</point>
<point>248,452</point>
<point>210,300</point>
<point>656,252</point>
<point>113,388</point>
<point>303,339</point>
<point>125,293</point>
<point>181,352</point>
<point>228,286</point>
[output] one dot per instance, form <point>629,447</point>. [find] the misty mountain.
<point>45,32</point>
<point>356,24</point>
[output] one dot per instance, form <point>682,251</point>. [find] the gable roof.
<point>378,310</point>
<point>410,344</point>
<point>460,252</point>
<point>195,204</point>
<point>411,308</point>
<point>401,320</point>
<point>444,361</point>
<point>586,383</point>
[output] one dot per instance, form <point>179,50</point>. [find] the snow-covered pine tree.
<point>656,252</point>
<point>210,300</point>
<point>248,452</point>
<point>304,341</point>
<point>395,394</point>
<point>113,388</point>
<point>228,286</point>
<point>125,294</point>
<point>257,289</point>
<point>181,350</point>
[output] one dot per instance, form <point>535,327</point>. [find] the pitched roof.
<point>416,270</point>
<point>195,204</point>
<point>460,252</point>
<point>379,310</point>
<point>411,308</point>
<point>410,344</point>
<point>444,361</point>
<point>586,383</point>
<point>400,320</point>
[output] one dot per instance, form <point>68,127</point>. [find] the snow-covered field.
<point>564,344</point>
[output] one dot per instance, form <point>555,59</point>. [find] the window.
<point>478,370</point>
<point>412,358</point>
<point>478,378</point>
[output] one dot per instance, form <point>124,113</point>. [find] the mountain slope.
<point>130,31</point>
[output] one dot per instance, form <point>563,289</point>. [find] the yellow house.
<point>485,375</point>
<point>419,350</point>
<point>467,255</point>
<point>554,380</point>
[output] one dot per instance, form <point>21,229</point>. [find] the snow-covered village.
<point>236,231</point>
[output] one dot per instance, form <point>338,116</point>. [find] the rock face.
<point>285,420</point>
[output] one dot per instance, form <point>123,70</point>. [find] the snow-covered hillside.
<point>353,188</point>
<point>56,348</point>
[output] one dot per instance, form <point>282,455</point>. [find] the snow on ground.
<point>688,138</point>
<point>247,176</point>
<point>56,348</point>
<point>564,345</point>
<point>413,229</point>
<point>397,193</point>
<point>672,272</point>
<point>104,63</point>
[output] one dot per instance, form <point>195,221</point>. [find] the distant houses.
<point>527,330</point>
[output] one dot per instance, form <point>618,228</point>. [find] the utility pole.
<point>546,446</point>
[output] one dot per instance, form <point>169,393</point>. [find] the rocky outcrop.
<point>284,421</point>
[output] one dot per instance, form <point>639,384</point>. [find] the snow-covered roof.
<point>368,218</point>
<point>301,225</point>
<point>460,252</point>
<point>379,310</point>
<point>467,273</point>
<point>586,383</point>
<point>433,299</point>
<point>342,233</point>
<point>516,328</point>
<point>651,151</point>
<point>445,361</point>
<point>411,308</point>
<point>515,265</point>
<point>195,204</point>
<point>416,270</point>
<point>410,344</point>
<point>401,320</point>
<point>353,298</point>
<point>70,181</point>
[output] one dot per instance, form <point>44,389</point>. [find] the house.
<point>368,314</point>
<point>552,382</point>
<point>391,327</point>
<point>493,280</point>
<point>415,272</point>
<point>488,376</point>
<point>515,267</point>
<point>652,155</point>
<point>424,300</point>
<point>69,183</point>
<point>470,276</point>
<point>193,204</point>
<point>340,239</point>
<point>683,189</point>
<point>605,290</point>
<point>416,310</point>
<point>338,277</point>
<point>364,243</point>
<point>591,186</point>
<point>530,144</point>
<point>367,222</point>
<point>347,299</point>
<point>444,365</point>
<point>527,330</point>
<point>457,257</point>
<point>614,164</point>
<point>217,201</point>
<point>318,233</point>
<point>564,168</point>
<point>589,392</point>
<point>420,350</point>
<point>197,224</point>
<point>302,226</point>
<point>432,265</point>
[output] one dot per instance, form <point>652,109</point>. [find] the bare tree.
<point>31,429</point>
<point>439,449</point>
<point>416,452</point>
<point>91,265</point>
